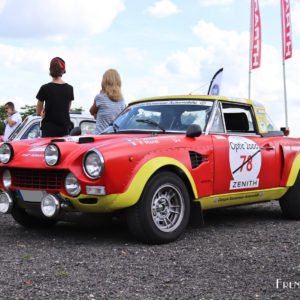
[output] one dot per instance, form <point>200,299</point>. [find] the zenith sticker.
<point>245,162</point>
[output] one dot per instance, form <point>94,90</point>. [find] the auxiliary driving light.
<point>72,185</point>
<point>6,203</point>
<point>6,179</point>
<point>50,206</point>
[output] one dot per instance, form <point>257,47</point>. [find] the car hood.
<point>30,153</point>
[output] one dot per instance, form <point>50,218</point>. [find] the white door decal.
<point>245,162</point>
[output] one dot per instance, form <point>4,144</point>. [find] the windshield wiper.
<point>153,123</point>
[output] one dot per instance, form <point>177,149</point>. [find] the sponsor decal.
<point>262,126</point>
<point>33,155</point>
<point>260,111</point>
<point>38,149</point>
<point>174,102</point>
<point>152,140</point>
<point>258,105</point>
<point>245,163</point>
<point>239,197</point>
<point>291,148</point>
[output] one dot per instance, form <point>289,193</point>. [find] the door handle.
<point>266,147</point>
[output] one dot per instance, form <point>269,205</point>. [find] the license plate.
<point>31,196</point>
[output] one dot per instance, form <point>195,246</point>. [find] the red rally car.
<point>162,161</point>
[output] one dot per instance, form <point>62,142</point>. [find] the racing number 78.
<point>247,161</point>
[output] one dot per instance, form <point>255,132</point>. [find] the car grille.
<point>38,178</point>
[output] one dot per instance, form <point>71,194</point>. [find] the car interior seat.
<point>236,122</point>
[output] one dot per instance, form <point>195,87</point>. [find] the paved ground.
<point>241,253</point>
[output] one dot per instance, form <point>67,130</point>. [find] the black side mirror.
<point>286,131</point>
<point>75,131</point>
<point>193,131</point>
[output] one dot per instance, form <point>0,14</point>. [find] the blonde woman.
<point>109,102</point>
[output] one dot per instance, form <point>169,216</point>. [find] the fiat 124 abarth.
<point>162,161</point>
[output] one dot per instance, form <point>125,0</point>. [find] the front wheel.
<point>163,211</point>
<point>290,202</point>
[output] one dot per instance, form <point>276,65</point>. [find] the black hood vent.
<point>85,140</point>
<point>197,159</point>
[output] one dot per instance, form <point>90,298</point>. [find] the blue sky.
<point>163,47</point>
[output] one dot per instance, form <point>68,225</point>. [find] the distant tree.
<point>78,109</point>
<point>3,117</point>
<point>27,111</point>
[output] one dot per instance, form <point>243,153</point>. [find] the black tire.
<point>290,202</point>
<point>30,221</point>
<point>165,200</point>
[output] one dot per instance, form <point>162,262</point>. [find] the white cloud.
<point>134,55</point>
<point>2,4</point>
<point>26,69</point>
<point>295,15</point>
<point>57,17</point>
<point>163,8</point>
<point>184,71</point>
<point>215,2</point>
<point>269,2</point>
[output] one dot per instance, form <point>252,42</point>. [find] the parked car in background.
<point>162,161</point>
<point>30,127</point>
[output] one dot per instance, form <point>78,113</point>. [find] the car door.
<point>243,159</point>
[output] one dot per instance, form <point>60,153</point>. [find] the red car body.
<point>224,152</point>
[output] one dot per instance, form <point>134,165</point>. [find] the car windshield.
<point>162,116</point>
<point>17,130</point>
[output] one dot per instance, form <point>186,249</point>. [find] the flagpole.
<point>250,52</point>
<point>283,67</point>
<point>285,97</point>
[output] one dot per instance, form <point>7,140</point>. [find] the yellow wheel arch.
<point>131,196</point>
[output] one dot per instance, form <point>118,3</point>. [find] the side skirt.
<point>239,198</point>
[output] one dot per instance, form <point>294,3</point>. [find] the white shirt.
<point>9,129</point>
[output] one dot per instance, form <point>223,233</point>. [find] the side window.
<point>238,118</point>
<point>32,132</point>
<point>217,126</point>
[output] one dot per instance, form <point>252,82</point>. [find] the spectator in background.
<point>13,120</point>
<point>109,102</point>
<point>58,97</point>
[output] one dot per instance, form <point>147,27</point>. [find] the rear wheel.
<point>30,221</point>
<point>290,202</point>
<point>163,210</point>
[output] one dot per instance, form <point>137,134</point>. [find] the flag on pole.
<point>255,35</point>
<point>215,84</point>
<point>286,29</point>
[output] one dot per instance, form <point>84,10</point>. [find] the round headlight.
<point>50,206</point>
<point>6,203</point>
<point>72,185</point>
<point>52,155</point>
<point>6,179</point>
<point>6,153</point>
<point>93,164</point>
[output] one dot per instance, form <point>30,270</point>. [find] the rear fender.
<point>291,168</point>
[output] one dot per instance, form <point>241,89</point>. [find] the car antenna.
<point>199,88</point>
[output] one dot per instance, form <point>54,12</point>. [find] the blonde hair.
<point>111,85</point>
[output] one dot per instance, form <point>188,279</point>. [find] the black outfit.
<point>57,99</point>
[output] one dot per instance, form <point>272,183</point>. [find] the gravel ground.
<point>248,252</point>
